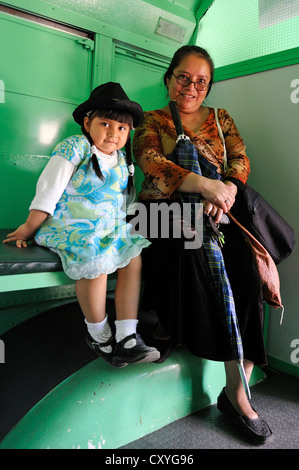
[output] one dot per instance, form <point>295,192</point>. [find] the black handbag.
<point>261,219</point>
<point>264,223</point>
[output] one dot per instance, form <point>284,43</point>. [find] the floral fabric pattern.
<point>156,138</point>
<point>88,228</point>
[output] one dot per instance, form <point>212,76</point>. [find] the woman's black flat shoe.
<point>257,429</point>
<point>164,347</point>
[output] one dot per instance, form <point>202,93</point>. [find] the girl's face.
<point>189,98</point>
<point>106,134</point>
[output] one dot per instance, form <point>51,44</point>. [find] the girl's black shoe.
<point>135,355</point>
<point>96,347</point>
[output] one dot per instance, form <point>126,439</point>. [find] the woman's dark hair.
<point>114,115</point>
<point>181,53</point>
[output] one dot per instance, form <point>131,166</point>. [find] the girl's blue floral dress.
<point>88,228</point>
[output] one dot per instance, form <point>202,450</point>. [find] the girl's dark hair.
<point>181,53</point>
<point>114,115</point>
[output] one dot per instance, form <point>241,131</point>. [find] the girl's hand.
<point>27,230</point>
<point>20,235</point>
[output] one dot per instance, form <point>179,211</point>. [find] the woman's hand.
<point>218,193</point>
<point>232,187</point>
<point>214,210</point>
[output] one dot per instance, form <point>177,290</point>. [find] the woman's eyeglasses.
<point>184,80</point>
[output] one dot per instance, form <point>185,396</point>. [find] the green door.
<point>141,74</point>
<point>44,74</point>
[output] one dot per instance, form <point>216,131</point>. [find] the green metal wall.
<point>46,73</point>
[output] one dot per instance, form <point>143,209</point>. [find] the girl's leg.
<point>91,294</point>
<point>127,291</point>
<point>126,297</point>
<point>234,389</point>
<point>130,349</point>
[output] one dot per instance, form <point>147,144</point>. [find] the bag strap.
<point>177,121</point>
<point>222,139</point>
<point>176,117</point>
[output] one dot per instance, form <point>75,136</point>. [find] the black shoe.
<point>164,347</point>
<point>135,355</point>
<point>257,429</point>
<point>96,347</point>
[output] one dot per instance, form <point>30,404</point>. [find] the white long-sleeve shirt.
<point>55,177</point>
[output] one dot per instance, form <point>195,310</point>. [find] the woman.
<point>177,279</point>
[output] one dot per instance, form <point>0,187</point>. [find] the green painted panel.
<point>260,64</point>
<point>33,125</point>
<point>45,73</point>
<point>101,407</point>
<point>20,304</point>
<point>132,15</point>
<point>41,61</point>
<point>35,280</point>
<point>142,79</point>
<point>21,172</point>
<point>287,368</point>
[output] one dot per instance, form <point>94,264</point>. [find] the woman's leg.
<point>234,389</point>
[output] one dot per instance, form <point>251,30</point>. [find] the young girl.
<point>78,213</point>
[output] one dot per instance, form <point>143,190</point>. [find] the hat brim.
<point>128,106</point>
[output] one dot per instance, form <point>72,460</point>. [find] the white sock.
<point>125,328</point>
<point>100,332</point>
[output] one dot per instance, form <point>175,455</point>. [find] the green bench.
<point>29,268</point>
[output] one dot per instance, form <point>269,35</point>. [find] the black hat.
<point>109,96</point>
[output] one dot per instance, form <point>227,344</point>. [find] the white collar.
<point>103,155</point>
<point>112,158</point>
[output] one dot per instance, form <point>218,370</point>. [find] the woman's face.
<point>189,98</point>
